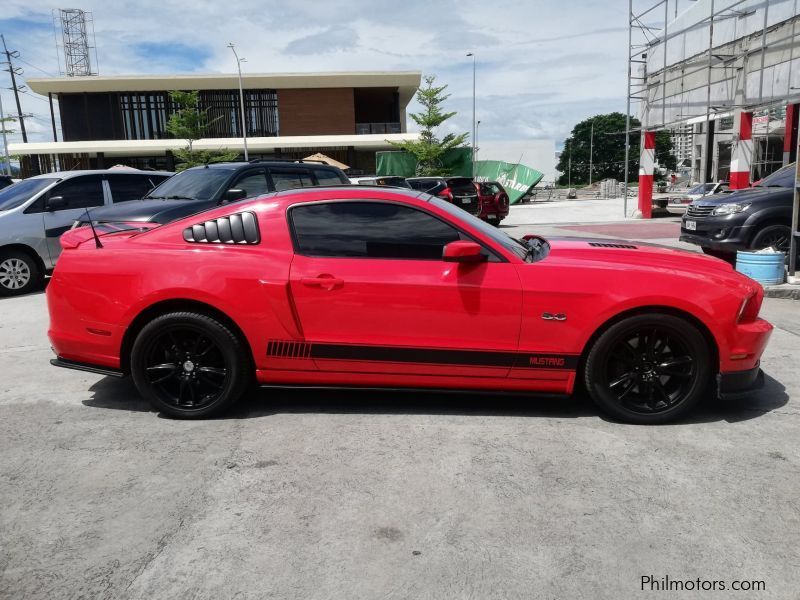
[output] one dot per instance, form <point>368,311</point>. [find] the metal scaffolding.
<point>710,59</point>
<point>76,27</point>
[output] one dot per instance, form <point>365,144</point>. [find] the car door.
<point>130,186</point>
<point>78,193</point>
<point>288,178</point>
<point>252,181</point>
<point>373,294</point>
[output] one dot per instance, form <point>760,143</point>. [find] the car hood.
<point>753,194</point>
<point>156,211</point>
<point>642,257</point>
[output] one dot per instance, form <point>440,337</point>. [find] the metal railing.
<point>366,128</point>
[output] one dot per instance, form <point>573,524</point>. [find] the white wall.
<point>537,154</point>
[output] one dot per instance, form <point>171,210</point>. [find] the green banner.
<point>517,179</point>
<point>402,164</point>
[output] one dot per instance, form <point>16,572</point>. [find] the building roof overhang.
<point>254,144</point>
<point>407,82</point>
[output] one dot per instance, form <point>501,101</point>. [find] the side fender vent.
<point>604,245</point>
<point>288,349</point>
<point>239,228</point>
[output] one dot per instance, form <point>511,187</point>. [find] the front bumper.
<point>719,234</point>
<point>739,383</point>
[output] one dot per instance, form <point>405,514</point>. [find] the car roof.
<point>265,163</point>
<point>71,174</point>
<point>334,192</point>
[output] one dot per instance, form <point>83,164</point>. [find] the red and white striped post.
<point>743,152</point>
<point>790,132</point>
<point>647,161</point>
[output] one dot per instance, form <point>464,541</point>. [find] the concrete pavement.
<point>386,495</point>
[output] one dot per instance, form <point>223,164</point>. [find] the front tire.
<point>777,236</point>
<point>190,365</point>
<point>648,369</point>
<point>19,273</point>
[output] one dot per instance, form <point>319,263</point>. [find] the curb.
<point>786,291</point>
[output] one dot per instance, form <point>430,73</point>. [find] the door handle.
<point>326,282</point>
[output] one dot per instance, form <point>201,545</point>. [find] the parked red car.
<point>493,200</point>
<point>373,286</point>
<point>459,191</point>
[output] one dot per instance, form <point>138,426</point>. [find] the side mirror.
<point>55,203</point>
<point>233,194</point>
<point>463,252</point>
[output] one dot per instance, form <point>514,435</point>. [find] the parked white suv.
<point>35,212</point>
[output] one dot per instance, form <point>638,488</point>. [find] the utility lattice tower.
<point>76,28</point>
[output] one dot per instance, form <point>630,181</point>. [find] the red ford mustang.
<point>376,287</point>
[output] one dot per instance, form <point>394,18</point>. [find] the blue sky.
<point>542,66</point>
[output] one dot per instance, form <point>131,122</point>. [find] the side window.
<point>327,177</point>
<point>252,182</point>
<point>129,187</point>
<point>80,192</point>
<point>290,179</point>
<point>369,230</point>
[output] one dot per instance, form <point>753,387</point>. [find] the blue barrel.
<point>767,269</point>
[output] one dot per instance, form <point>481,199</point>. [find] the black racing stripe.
<point>443,356</point>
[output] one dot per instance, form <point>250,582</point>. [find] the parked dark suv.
<point>751,218</point>
<point>460,191</point>
<point>201,188</point>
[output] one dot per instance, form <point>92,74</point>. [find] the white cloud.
<point>542,66</point>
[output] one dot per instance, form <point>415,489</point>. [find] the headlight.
<point>730,209</point>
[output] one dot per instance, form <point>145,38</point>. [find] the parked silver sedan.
<point>676,205</point>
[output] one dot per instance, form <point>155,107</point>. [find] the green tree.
<point>608,156</point>
<point>190,122</point>
<point>429,149</point>
<point>4,125</point>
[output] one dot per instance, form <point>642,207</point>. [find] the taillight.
<point>446,194</point>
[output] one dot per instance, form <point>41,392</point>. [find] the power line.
<point>37,68</point>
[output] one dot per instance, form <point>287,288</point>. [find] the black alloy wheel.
<point>648,368</point>
<point>189,365</point>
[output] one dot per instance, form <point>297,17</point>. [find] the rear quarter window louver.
<point>604,245</point>
<point>240,228</point>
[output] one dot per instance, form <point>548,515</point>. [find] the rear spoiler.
<point>82,233</point>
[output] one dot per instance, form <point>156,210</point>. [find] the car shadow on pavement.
<point>120,394</point>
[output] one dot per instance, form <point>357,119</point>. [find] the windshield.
<point>783,177</point>
<point>486,229</point>
<point>18,193</point>
<point>703,188</point>
<point>193,184</point>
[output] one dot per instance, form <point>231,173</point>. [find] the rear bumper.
<point>739,383</point>
<point>80,366</point>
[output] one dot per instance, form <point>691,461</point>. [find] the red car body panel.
<point>405,323</point>
<point>494,206</point>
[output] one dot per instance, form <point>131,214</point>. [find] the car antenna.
<point>94,232</point>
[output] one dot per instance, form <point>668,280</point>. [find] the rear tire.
<point>19,273</point>
<point>648,369</point>
<point>190,365</point>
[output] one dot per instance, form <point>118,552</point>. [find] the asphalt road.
<point>386,495</point>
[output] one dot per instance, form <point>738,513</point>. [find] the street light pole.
<point>5,139</point>
<point>591,152</point>
<point>477,148</point>
<point>474,126</point>
<point>239,62</point>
